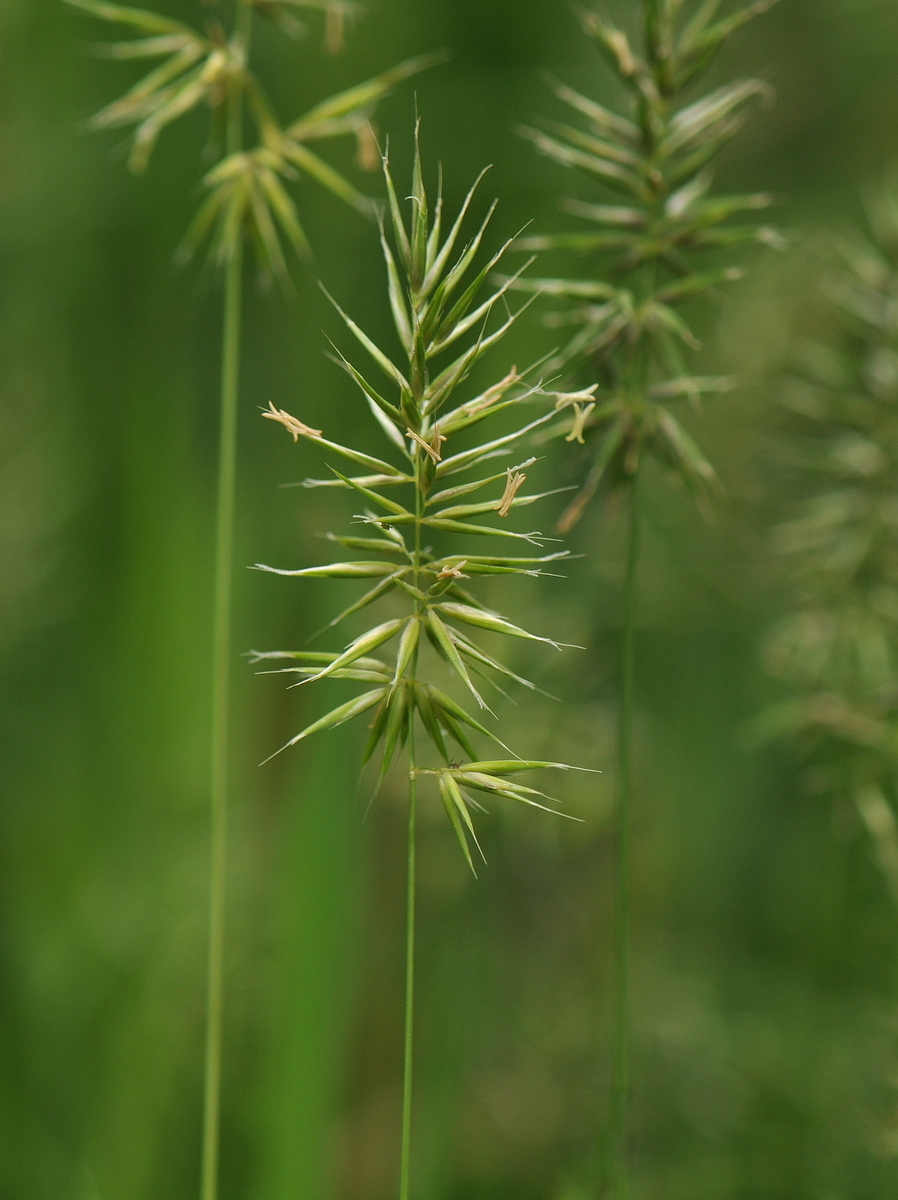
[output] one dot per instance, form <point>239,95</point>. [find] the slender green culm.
<point>409,1026</point>
<point>835,448</point>
<point>619,1125</point>
<point>628,357</point>
<point>221,664</point>
<point>221,638</point>
<point>247,200</point>
<point>444,327</point>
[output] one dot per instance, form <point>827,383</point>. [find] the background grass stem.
<point>408,1047</point>
<point>221,669</point>
<point>620,1097</point>
<point>411,883</point>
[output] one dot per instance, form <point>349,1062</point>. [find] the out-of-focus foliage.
<point>837,454</point>
<point>247,193</point>
<point>631,342</point>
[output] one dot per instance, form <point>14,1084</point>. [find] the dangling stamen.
<point>513,482</point>
<point>295,426</point>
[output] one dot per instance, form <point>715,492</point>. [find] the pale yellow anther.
<point>581,416</point>
<point>433,447</point>
<point>563,399</point>
<point>293,424</point>
<point>496,392</point>
<point>450,572</point>
<point>513,481</point>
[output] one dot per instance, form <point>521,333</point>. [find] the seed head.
<point>417,416</point>
<point>662,219</point>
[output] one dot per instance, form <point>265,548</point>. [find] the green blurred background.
<point>766,1010</point>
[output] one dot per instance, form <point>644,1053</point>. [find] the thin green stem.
<point>221,671</point>
<point>620,1095</point>
<point>409,1037</point>
<point>407,1062</point>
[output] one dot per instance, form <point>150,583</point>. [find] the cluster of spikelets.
<point>631,344</point>
<point>246,189</point>
<point>838,648</point>
<point>434,288</point>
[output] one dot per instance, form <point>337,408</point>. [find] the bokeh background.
<point>766,994</point>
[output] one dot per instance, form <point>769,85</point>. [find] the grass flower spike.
<point>631,342</point>
<point>247,189</point>
<point>651,232</point>
<point>838,647</point>
<point>424,490</point>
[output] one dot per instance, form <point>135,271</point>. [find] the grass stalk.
<point>411,871</point>
<point>408,1046</point>
<point>221,670</point>
<point>620,1095</point>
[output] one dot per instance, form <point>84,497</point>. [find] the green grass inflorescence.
<point>629,354</point>
<point>424,490</point>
